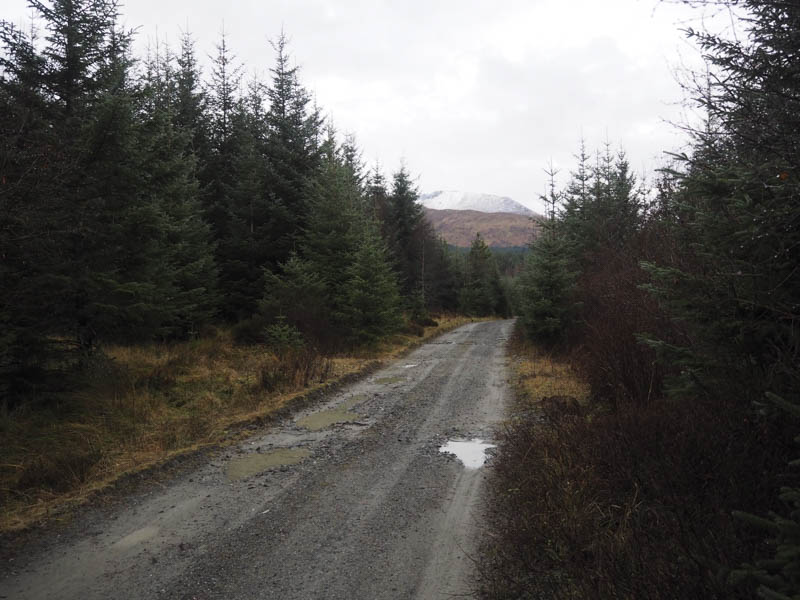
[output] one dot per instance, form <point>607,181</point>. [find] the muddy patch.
<point>325,418</point>
<point>472,453</point>
<point>239,468</point>
<point>389,380</point>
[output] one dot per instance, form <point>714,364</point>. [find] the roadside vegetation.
<point>142,404</point>
<point>635,501</point>
<point>678,307</point>
<point>181,250</point>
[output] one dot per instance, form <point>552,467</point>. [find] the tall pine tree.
<point>292,153</point>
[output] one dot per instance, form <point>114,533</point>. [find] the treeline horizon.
<point>141,200</point>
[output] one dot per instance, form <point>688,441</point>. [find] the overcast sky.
<point>475,95</point>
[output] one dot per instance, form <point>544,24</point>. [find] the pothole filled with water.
<point>326,418</point>
<point>239,468</point>
<point>472,453</point>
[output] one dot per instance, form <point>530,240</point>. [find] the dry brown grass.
<point>539,375</point>
<point>141,405</point>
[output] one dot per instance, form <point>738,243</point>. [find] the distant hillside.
<point>500,230</point>
<point>488,203</point>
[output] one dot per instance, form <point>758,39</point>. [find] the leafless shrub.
<point>614,311</point>
<point>628,503</point>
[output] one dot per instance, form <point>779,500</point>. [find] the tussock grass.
<point>139,405</point>
<point>540,377</point>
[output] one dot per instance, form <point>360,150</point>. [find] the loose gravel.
<point>349,499</point>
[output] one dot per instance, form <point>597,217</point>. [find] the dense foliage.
<point>140,200</point>
<point>680,307</point>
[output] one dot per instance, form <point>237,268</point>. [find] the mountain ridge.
<point>480,202</point>
<point>498,229</point>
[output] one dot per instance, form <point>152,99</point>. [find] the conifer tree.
<point>351,158</point>
<point>327,247</point>
<point>737,215</point>
<point>169,177</point>
<point>191,101</point>
<point>340,287</point>
<point>99,271</point>
<point>334,198</point>
<point>601,207</point>
<point>245,250</point>
<point>292,153</point>
<point>108,267</point>
<point>370,304</point>
<point>482,293</point>
<point>441,276</point>
<point>29,242</point>
<point>117,271</point>
<point>575,211</point>
<point>735,210</point>
<point>617,201</point>
<point>377,198</point>
<point>233,175</point>
<point>545,291</point>
<point>103,239</point>
<point>217,175</point>
<point>405,222</point>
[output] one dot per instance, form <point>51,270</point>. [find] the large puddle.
<point>239,468</point>
<point>326,418</point>
<point>472,453</point>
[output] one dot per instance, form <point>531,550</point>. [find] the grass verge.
<point>141,405</point>
<point>593,500</point>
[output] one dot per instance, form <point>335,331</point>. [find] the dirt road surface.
<point>351,499</point>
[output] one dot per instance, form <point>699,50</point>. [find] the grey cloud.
<point>464,89</point>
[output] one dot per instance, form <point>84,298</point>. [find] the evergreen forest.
<point>143,199</point>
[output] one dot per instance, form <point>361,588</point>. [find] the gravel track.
<point>364,508</point>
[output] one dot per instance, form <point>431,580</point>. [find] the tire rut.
<point>375,511</point>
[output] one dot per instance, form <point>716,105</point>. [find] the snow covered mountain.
<point>453,200</point>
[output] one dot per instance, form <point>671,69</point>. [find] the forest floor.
<point>139,406</point>
<point>351,498</point>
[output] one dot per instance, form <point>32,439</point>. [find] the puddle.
<point>387,380</point>
<point>353,400</point>
<point>326,418</point>
<point>239,468</point>
<point>410,366</point>
<point>471,452</point>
